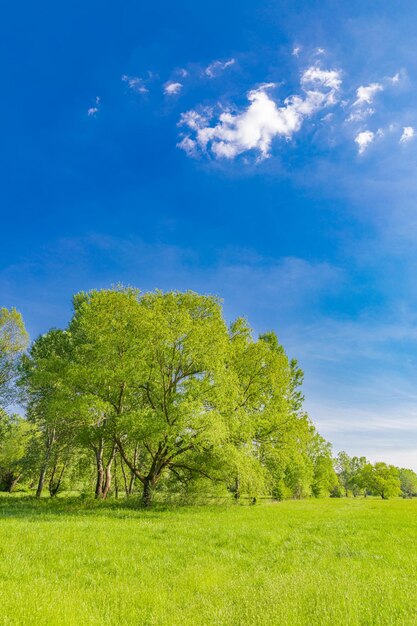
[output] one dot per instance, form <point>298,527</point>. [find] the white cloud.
<point>92,111</point>
<point>364,139</point>
<point>172,88</point>
<point>263,120</point>
<point>320,51</point>
<point>359,116</point>
<point>366,94</point>
<point>135,83</point>
<point>216,67</point>
<point>408,133</point>
<point>296,51</point>
<point>189,146</point>
<point>326,78</point>
<point>395,79</point>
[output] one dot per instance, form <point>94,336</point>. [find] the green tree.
<point>14,436</point>
<point>324,476</point>
<point>408,481</point>
<point>356,466</point>
<point>257,404</point>
<point>343,467</point>
<point>150,368</point>
<point>158,391</point>
<point>51,407</point>
<point>13,341</point>
<point>380,479</point>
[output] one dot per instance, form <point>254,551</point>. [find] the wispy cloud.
<point>314,75</point>
<point>225,130</point>
<point>172,88</point>
<point>361,115</point>
<point>215,68</point>
<point>408,133</point>
<point>135,83</point>
<point>256,127</point>
<point>92,111</point>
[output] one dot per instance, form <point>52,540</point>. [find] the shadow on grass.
<point>28,507</point>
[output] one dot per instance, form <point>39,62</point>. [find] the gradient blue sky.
<point>262,151</point>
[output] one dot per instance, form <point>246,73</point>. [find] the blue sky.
<point>262,151</point>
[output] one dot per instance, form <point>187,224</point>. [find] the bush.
<point>336,492</point>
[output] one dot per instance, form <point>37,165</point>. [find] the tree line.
<point>153,394</point>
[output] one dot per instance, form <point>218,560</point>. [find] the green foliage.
<point>325,478</point>
<point>349,472</point>
<point>13,341</point>
<point>14,437</point>
<point>381,479</point>
<point>152,392</point>
<point>408,481</point>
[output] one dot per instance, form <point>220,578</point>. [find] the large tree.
<point>152,368</point>
<point>160,392</point>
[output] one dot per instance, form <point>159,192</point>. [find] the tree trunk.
<point>107,483</point>
<point>13,483</point>
<point>124,477</point>
<point>54,487</point>
<point>237,488</point>
<point>44,468</point>
<point>10,481</point>
<point>41,481</point>
<point>147,494</point>
<point>51,482</point>
<point>131,483</point>
<point>100,470</point>
<point>132,475</point>
<point>116,480</point>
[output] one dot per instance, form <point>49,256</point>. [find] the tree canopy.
<point>155,393</point>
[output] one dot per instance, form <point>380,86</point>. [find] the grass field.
<point>307,562</point>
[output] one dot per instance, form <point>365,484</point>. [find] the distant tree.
<point>343,467</point>
<point>324,477</point>
<point>349,472</point>
<point>356,466</point>
<point>13,341</point>
<point>380,479</point>
<point>408,481</point>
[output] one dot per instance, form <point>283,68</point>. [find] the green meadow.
<point>326,561</point>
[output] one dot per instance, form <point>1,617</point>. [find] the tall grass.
<point>335,562</point>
